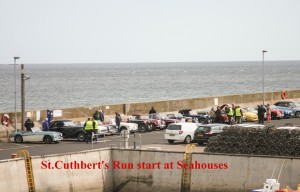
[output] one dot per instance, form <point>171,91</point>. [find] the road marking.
<point>21,146</point>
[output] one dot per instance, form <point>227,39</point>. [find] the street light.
<point>15,62</point>
<point>263,74</point>
<point>23,79</point>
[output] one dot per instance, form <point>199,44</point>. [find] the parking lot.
<point>149,139</point>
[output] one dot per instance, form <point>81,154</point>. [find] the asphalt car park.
<point>148,139</point>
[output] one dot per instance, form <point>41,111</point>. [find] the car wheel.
<point>18,139</point>
<point>273,117</point>
<point>297,114</point>
<point>48,139</point>
<point>171,141</point>
<point>162,128</point>
<point>142,128</point>
<point>123,128</point>
<point>81,137</point>
<point>187,140</point>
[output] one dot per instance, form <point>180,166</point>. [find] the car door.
<point>173,130</point>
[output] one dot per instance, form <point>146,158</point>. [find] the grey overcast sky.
<point>100,31</point>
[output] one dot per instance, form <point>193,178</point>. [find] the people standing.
<point>95,128</point>
<point>88,127</point>
<point>101,115</point>
<point>238,115</point>
<point>268,113</point>
<point>96,115</point>
<point>46,125</point>
<point>29,124</point>
<point>229,112</point>
<point>261,114</point>
<point>219,115</point>
<point>212,114</point>
<point>118,121</point>
<point>152,110</point>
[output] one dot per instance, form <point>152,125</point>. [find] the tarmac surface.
<point>149,139</point>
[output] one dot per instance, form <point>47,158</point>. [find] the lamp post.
<point>23,79</point>
<point>15,62</point>
<point>263,74</point>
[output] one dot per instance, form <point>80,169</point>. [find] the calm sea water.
<point>73,85</point>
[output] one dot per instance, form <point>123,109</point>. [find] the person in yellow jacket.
<point>88,127</point>
<point>95,128</point>
<point>229,112</point>
<point>238,115</point>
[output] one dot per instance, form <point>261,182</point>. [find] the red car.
<point>161,121</point>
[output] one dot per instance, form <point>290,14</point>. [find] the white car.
<point>183,132</point>
<point>131,127</point>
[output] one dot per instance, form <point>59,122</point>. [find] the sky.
<point>124,31</point>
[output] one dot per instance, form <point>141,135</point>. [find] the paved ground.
<point>150,139</point>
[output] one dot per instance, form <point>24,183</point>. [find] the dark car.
<point>68,128</point>
<point>142,121</point>
<point>204,132</point>
<point>204,119</point>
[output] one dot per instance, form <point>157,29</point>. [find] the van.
<point>181,132</point>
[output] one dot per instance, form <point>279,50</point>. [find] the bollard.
<point>13,155</point>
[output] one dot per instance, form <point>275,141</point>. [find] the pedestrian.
<point>152,110</point>
<point>95,128</point>
<point>118,121</point>
<point>29,124</point>
<point>268,113</point>
<point>101,115</point>
<point>212,114</point>
<point>229,112</point>
<point>88,127</point>
<point>96,115</point>
<point>261,114</point>
<point>219,118</point>
<point>238,115</point>
<point>46,125</point>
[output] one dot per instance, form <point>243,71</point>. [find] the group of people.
<point>234,114</point>
<point>261,111</point>
<point>90,127</point>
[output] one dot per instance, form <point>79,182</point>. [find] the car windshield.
<point>174,127</point>
<point>201,128</point>
<point>295,104</point>
<point>69,123</point>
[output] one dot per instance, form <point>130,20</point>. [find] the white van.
<point>180,132</point>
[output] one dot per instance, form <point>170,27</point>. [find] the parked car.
<point>131,127</point>
<point>204,119</point>
<point>161,121</point>
<point>142,121</point>
<point>204,132</point>
<point>36,135</point>
<point>68,128</point>
<point>183,132</point>
<point>289,107</point>
<point>178,116</point>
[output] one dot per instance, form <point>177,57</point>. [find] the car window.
<point>202,128</point>
<point>174,127</point>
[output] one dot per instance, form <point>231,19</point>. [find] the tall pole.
<point>15,63</point>
<point>22,97</point>
<point>263,74</point>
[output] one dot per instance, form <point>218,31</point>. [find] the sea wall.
<point>164,106</point>
<point>243,172</point>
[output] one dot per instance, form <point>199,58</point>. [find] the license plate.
<point>200,135</point>
<point>171,134</point>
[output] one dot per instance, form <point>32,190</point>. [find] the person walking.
<point>152,110</point>
<point>238,115</point>
<point>45,125</point>
<point>28,124</point>
<point>261,114</point>
<point>88,127</point>
<point>118,121</point>
<point>95,129</point>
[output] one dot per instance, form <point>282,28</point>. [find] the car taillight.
<point>180,132</point>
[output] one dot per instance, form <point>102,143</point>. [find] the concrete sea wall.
<point>243,172</point>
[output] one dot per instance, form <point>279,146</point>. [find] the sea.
<point>55,86</point>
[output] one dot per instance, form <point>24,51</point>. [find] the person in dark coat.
<point>46,125</point>
<point>29,124</point>
<point>152,110</point>
<point>218,115</point>
<point>118,121</point>
<point>261,114</point>
<point>101,115</point>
